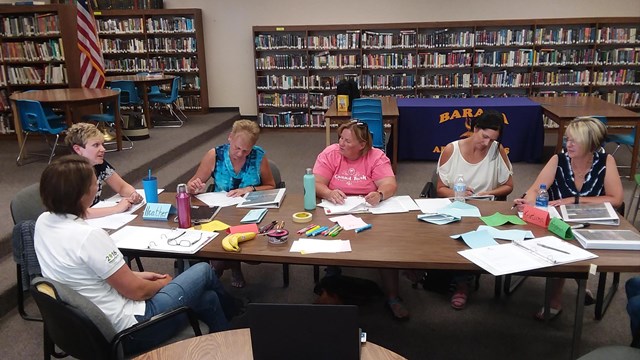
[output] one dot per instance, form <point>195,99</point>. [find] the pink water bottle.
<point>183,204</point>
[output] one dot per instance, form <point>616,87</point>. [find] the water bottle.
<point>459,188</point>
<point>183,204</point>
<point>542,199</point>
<point>309,184</point>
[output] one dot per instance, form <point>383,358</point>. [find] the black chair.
<point>80,329</point>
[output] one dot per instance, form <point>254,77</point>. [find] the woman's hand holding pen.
<point>135,198</point>
<point>520,202</point>
<point>123,205</point>
<point>195,186</point>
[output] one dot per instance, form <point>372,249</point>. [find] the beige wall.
<point>227,26</point>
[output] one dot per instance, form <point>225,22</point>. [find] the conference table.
<point>67,99</point>
<point>389,116</point>
<point>144,82</point>
<point>236,345</point>
<point>562,110</point>
<point>396,241</point>
<point>427,125</point>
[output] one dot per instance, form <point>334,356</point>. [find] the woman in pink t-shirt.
<point>354,167</point>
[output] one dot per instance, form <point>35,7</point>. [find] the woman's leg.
<point>391,284</point>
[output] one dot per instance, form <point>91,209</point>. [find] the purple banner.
<point>426,126</point>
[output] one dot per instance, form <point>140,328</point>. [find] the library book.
<point>608,239</point>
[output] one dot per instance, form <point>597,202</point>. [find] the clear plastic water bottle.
<point>542,198</point>
<point>183,205</point>
<point>459,188</point>
<point>309,185</point>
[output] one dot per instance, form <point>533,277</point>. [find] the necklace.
<point>579,171</point>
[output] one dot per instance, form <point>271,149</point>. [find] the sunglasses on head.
<point>359,124</point>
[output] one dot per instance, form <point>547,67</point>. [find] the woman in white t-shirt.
<point>483,162</point>
<point>87,260</point>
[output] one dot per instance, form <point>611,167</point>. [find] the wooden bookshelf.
<point>39,51</point>
<point>297,67</point>
<point>157,40</point>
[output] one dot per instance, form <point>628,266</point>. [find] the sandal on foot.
<point>237,279</point>
<point>553,314</point>
<point>397,308</point>
<point>459,299</point>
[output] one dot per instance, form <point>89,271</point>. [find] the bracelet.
<point>253,187</point>
<point>381,196</point>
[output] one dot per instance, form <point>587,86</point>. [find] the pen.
<point>368,226</point>
<point>265,228</point>
<point>329,230</point>
<point>580,226</point>
<point>521,197</point>
<point>555,249</point>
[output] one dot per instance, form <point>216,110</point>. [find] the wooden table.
<point>67,99</point>
<point>397,241</point>
<point>389,115</point>
<point>564,109</point>
<point>236,345</point>
<point>144,81</point>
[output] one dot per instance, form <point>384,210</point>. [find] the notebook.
<point>303,331</point>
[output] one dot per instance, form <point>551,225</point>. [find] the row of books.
<point>32,51</point>
<point>388,82</point>
<point>446,81</point>
<point>6,124</point>
<point>631,99</point>
<point>30,25</point>
<point>284,119</point>
<point>389,61</point>
<point>301,82</point>
<point>320,100</point>
<point>171,25</point>
<point>438,38</point>
<point>170,64</point>
<point>126,4</point>
<point>616,77</point>
<point>295,100</point>
<point>45,74</point>
<point>119,26</point>
<point>4,99</point>
<point>122,46</point>
<point>133,45</point>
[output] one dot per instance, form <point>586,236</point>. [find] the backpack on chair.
<point>348,87</point>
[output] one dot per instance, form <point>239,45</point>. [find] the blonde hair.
<point>249,127</point>
<point>589,133</point>
<point>360,132</point>
<point>80,133</point>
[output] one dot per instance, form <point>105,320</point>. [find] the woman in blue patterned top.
<point>583,173</point>
<point>237,167</point>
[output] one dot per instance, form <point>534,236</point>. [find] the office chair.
<point>170,101</point>
<point>34,121</point>
<point>109,115</point>
<point>80,329</point>
<point>369,110</point>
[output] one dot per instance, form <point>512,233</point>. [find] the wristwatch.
<point>381,195</point>
<point>253,187</point>
<point>577,199</point>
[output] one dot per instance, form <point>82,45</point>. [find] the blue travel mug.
<point>150,185</point>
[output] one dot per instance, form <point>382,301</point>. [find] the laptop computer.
<point>304,331</point>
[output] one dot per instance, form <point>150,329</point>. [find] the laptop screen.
<point>304,331</point>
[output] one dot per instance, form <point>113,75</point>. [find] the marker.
<point>306,228</point>
<point>521,197</point>
<point>329,230</point>
<point>580,226</point>
<point>310,231</point>
<point>368,226</point>
<point>335,232</point>
<point>319,230</point>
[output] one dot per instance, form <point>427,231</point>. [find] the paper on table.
<point>351,204</point>
<point>118,197</point>
<point>461,209</point>
<point>349,222</point>
<point>311,246</point>
<point>393,205</point>
<point>431,206</point>
<point>112,222</point>
<point>219,198</point>
<point>105,204</point>
<point>511,234</point>
<point>498,219</point>
<point>476,239</point>
<point>407,202</point>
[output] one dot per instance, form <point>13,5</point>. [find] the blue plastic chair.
<point>128,92</point>
<point>619,139</point>
<point>369,110</point>
<point>153,89</point>
<point>54,119</point>
<point>170,101</point>
<point>108,117</point>
<point>34,121</point>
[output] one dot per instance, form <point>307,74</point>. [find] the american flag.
<point>91,60</point>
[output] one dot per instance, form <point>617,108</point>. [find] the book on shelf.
<point>602,214</point>
<point>342,103</point>
<point>264,199</point>
<point>608,239</point>
<point>19,3</point>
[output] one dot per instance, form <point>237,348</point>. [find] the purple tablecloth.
<point>425,126</point>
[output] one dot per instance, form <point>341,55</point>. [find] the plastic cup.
<point>150,185</point>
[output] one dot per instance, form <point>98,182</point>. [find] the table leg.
<point>394,160</point>
<point>118,124</point>
<point>327,129</point>
<point>68,115</point>
<point>146,110</point>
<point>577,324</point>
<point>634,152</point>
<point>16,124</point>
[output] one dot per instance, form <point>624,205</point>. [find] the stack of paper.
<point>357,204</point>
<point>311,246</point>
<point>219,198</point>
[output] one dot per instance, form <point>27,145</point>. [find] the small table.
<point>389,115</point>
<point>564,109</point>
<point>67,99</point>
<point>144,81</point>
<point>236,345</point>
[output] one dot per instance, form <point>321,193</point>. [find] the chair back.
<point>34,119</point>
<point>369,110</point>
<point>276,175</point>
<point>175,88</point>
<point>153,89</point>
<point>72,322</point>
<point>128,92</point>
<point>26,204</point>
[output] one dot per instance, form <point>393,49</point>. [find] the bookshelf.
<point>157,40</point>
<point>297,67</point>
<point>39,51</point>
